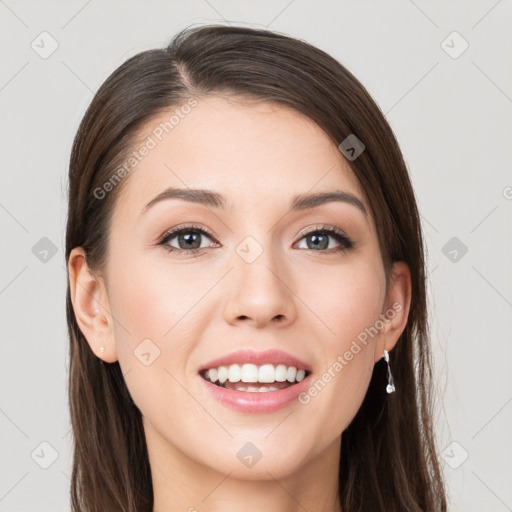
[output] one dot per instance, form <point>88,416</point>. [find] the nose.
<point>260,293</point>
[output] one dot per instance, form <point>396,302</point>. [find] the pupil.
<point>314,242</point>
<point>188,238</point>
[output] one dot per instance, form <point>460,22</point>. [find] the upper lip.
<point>272,356</point>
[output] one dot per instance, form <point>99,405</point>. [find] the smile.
<point>254,378</point>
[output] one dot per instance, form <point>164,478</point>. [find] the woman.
<point>246,301</point>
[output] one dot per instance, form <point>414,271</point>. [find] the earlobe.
<point>397,308</point>
<point>90,304</point>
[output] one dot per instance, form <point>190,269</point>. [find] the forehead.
<point>253,153</point>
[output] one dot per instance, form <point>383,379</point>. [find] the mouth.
<point>252,378</point>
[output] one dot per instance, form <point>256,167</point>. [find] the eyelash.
<point>335,233</point>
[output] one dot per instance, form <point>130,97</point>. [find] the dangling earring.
<point>391,386</point>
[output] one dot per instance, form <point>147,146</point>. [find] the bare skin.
<point>309,302</point>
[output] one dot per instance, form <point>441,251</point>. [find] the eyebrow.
<point>216,200</point>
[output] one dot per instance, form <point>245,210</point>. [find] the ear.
<point>396,310</point>
<point>91,306</point>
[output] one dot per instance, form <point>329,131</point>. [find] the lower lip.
<point>257,402</point>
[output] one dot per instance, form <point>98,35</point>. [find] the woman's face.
<point>260,280</point>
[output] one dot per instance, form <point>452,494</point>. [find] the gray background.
<point>451,112</point>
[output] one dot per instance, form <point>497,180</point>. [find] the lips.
<point>257,402</point>
<point>256,382</point>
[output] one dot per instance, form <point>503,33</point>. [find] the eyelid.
<point>332,231</point>
<point>322,227</point>
<point>182,227</point>
<point>338,234</point>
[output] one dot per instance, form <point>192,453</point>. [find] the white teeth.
<point>234,373</point>
<point>280,373</point>
<point>251,373</point>
<point>266,373</point>
<point>290,374</point>
<point>223,374</point>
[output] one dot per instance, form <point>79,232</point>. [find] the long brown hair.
<point>388,454</point>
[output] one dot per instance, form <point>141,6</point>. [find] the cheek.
<point>351,310</point>
<point>155,333</point>
<point>348,299</point>
<point>161,311</point>
<point>155,300</point>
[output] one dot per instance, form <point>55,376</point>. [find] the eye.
<point>185,240</point>
<point>188,239</point>
<point>318,240</point>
